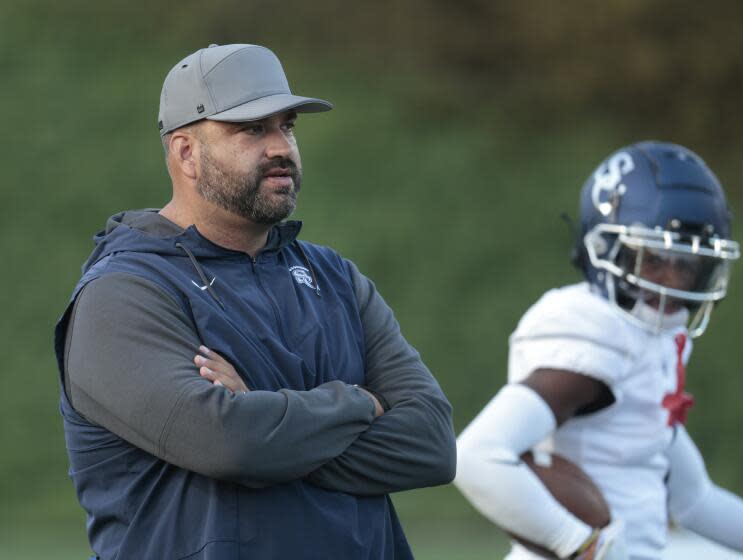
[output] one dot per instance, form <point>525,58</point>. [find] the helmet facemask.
<point>660,277</point>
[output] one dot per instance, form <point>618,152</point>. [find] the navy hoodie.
<point>289,322</point>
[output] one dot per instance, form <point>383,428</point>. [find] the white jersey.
<point>622,447</point>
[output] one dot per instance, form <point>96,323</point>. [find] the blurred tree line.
<point>461,131</point>
<point>670,67</point>
<point>658,66</point>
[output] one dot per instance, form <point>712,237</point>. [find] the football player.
<point>596,370</point>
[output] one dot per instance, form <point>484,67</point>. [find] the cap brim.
<point>271,105</point>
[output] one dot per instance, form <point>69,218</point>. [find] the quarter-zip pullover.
<point>168,465</point>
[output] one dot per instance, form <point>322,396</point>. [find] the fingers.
<point>213,365</point>
<point>216,378</point>
<point>211,375</point>
<point>212,360</point>
<point>219,371</point>
<point>211,354</point>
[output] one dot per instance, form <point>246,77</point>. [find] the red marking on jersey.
<point>679,403</point>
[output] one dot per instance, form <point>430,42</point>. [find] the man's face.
<point>251,169</point>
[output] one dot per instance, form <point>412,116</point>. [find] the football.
<point>571,487</point>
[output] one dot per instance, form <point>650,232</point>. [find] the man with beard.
<point>229,391</point>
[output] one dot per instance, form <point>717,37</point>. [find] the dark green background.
<point>461,131</point>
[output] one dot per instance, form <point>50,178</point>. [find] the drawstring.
<point>309,266</point>
<point>201,274</point>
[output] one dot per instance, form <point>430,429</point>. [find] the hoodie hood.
<point>146,231</point>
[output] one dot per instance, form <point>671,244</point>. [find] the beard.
<point>240,192</point>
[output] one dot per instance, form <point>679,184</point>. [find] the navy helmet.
<point>648,208</point>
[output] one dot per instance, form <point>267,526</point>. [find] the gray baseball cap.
<point>231,83</point>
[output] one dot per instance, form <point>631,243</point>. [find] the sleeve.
<point>574,330</point>
<point>129,365</point>
<point>412,445</point>
<point>500,486</point>
<point>695,502</point>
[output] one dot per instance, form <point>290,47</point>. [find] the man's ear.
<point>184,150</point>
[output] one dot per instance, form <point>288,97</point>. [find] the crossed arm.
<point>130,368</point>
<point>413,444</point>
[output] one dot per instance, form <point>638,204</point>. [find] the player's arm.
<point>695,502</point>
<point>568,393</point>
<point>129,367</point>
<point>412,445</point>
<point>491,475</point>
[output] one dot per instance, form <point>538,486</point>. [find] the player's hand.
<point>603,544</point>
<point>219,371</point>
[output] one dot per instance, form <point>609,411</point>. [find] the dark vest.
<point>269,321</point>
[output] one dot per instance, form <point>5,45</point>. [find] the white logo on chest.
<point>302,276</point>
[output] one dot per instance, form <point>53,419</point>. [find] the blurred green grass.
<point>448,199</point>
<point>457,260</point>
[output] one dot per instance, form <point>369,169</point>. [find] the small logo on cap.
<point>200,108</point>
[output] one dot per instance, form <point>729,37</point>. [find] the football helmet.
<point>655,235</point>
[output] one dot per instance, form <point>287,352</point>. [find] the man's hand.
<point>219,371</point>
<point>603,544</point>
<point>378,409</point>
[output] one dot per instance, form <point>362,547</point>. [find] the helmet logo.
<point>608,178</point>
